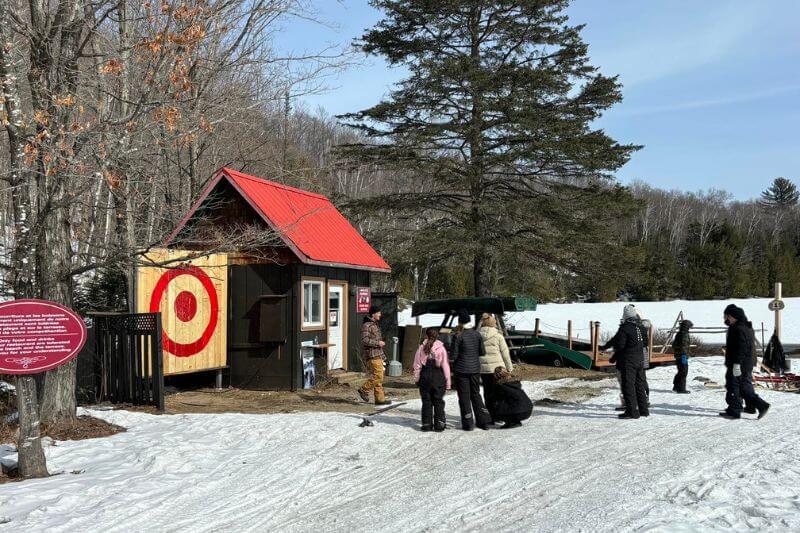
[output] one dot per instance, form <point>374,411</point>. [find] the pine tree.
<point>781,194</point>
<point>496,120</point>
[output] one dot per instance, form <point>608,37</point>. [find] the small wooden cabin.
<point>299,289</point>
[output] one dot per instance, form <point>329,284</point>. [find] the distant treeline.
<point>679,245</point>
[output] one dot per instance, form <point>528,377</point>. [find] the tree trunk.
<point>483,274</point>
<point>32,461</point>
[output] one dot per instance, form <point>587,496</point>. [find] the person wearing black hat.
<point>468,348</point>
<point>680,348</point>
<point>372,345</point>
<point>739,343</point>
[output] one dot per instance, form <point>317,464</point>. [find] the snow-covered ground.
<point>554,317</point>
<point>572,467</point>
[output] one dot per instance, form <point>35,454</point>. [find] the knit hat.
<point>463,317</point>
<point>736,312</point>
<point>500,372</point>
<point>629,312</point>
<point>374,309</point>
<point>686,324</point>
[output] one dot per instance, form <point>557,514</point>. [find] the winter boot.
<point>763,411</point>
<point>427,427</point>
<point>511,425</point>
<point>627,415</point>
<point>439,426</point>
<point>729,415</point>
<point>364,395</point>
<point>383,402</point>
<point>749,410</point>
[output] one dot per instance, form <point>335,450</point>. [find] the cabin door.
<point>337,325</point>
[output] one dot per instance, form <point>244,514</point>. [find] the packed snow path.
<point>570,467</point>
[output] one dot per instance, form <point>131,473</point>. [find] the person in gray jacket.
<point>467,350</point>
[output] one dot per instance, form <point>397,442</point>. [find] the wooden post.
<point>778,291</point>
<point>596,339</point>
<point>536,328</point>
<point>591,335</point>
<point>569,334</point>
<point>650,344</point>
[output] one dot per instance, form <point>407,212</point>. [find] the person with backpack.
<point>739,354</point>
<point>510,404</point>
<point>680,349</point>
<point>432,376</point>
<point>629,345</point>
<point>468,348</point>
<point>497,354</point>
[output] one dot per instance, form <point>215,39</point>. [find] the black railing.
<point>123,360</point>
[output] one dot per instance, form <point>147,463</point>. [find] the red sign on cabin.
<point>36,335</point>
<point>363,299</point>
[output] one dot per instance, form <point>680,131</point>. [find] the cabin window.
<point>313,304</point>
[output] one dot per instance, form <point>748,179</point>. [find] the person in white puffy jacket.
<point>497,354</point>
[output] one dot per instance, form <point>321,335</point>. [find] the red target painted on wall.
<point>185,309</point>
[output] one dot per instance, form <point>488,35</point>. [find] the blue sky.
<point>711,87</point>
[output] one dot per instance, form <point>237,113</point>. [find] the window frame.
<point>322,324</point>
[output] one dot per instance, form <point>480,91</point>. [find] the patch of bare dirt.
<point>544,373</point>
<point>333,395</point>
<point>84,427</point>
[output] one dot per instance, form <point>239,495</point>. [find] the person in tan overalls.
<point>374,357</point>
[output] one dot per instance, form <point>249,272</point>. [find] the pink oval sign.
<point>37,335</point>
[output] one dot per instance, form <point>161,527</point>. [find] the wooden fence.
<point>123,361</point>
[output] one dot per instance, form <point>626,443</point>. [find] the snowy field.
<point>553,317</point>
<point>571,467</point>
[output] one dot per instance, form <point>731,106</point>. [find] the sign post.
<point>777,306</point>
<point>35,336</point>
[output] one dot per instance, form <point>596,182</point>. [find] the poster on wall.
<point>307,359</point>
<point>363,299</point>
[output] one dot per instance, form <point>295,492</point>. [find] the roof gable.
<point>308,223</point>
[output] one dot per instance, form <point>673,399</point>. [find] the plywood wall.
<point>192,298</point>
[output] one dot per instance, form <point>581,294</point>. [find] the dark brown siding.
<point>255,364</point>
<point>354,278</point>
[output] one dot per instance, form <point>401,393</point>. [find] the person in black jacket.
<point>680,348</point>
<point>629,345</point>
<point>510,404</point>
<point>739,343</point>
<point>467,350</point>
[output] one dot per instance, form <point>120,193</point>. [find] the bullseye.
<point>185,306</point>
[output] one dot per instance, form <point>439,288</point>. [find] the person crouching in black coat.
<point>468,348</point>
<point>509,402</point>
<point>628,345</point>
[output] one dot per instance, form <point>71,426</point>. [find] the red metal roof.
<point>309,223</point>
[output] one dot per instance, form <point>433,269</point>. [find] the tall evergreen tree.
<point>497,112</point>
<point>781,194</point>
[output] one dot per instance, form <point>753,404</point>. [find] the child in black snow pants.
<point>680,347</point>
<point>432,376</point>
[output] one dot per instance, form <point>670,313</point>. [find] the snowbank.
<point>570,467</point>
<point>553,317</point>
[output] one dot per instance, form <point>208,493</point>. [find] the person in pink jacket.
<point>432,376</point>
